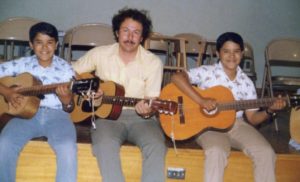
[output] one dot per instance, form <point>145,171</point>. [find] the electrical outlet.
<point>176,172</point>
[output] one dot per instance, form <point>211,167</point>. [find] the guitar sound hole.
<point>87,107</point>
<point>41,96</point>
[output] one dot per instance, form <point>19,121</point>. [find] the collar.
<point>138,56</point>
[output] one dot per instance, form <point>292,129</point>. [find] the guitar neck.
<point>120,100</point>
<point>247,104</point>
<point>40,89</point>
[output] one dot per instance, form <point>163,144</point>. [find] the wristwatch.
<point>270,113</point>
<point>68,106</point>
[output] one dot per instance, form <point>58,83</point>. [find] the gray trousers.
<point>109,135</point>
<point>242,136</point>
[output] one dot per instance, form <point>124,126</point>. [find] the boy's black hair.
<point>229,36</point>
<point>140,16</point>
<point>44,28</point>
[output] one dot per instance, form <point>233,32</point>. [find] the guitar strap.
<point>93,119</point>
<point>91,99</point>
<point>92,104</point>
<point>172,134</point>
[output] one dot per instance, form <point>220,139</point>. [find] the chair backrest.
<point>248,62</point>
<point>15,31</point>
<point>90,35</point>
<point>155,45</point>
<point>248,51</point>
<point>16,28</point>
<point>195,45</point>
<point>94,34</point>
<point>284,51</point>
<point>281,66</point>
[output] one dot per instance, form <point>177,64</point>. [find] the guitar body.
<point>190,119</point>
<point>295,125</point>
<point>31,88</point>
<point>83,109</point>
<point>29,105</point>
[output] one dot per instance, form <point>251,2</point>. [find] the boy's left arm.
<point>256,117</point>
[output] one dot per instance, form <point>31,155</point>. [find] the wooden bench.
<point>37,160</point>
<point>37,163</point>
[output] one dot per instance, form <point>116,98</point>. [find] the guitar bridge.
<point>180,110</point>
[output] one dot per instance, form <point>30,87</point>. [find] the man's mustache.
<point>129,42</point>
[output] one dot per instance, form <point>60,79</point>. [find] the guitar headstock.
<point>85,85</point>
<point>164,106</point>
<point>294,100</point>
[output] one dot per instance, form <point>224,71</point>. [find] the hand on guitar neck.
<point>144,108</point>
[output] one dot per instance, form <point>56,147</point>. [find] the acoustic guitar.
<point>33,91</point>
<point>112,103</point>
<point>190,119</point>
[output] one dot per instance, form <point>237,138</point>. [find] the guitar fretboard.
<point>247,104</point>
<point>40,89</point>
<point>120,100</point>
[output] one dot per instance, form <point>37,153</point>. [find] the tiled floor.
<point>279,139</point>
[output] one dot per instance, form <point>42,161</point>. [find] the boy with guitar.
<point>242,135</point>
<point>52,117</point>
<point>139,71</point>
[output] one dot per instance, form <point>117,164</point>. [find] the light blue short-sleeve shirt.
<point>58,72</point>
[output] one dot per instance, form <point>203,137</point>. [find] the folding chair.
<point>281,54</point>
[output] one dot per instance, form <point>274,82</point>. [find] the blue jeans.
<point>51,123</point>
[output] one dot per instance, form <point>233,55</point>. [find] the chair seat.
<point>291,84</point>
